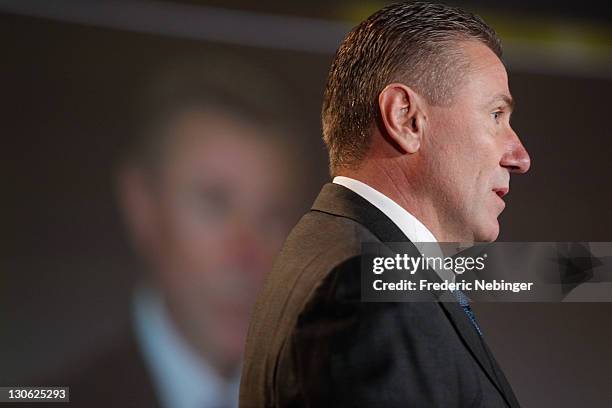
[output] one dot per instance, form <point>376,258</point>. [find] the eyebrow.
<point>506,99</point>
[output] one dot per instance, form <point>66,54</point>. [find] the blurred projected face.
<point>222,211</point>
<point>473,149</point>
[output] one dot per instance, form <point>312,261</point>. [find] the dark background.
<point>67,268</point>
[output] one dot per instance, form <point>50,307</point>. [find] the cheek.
<point>457,178</point>
<point>465,184</point>
<point>192,248</point>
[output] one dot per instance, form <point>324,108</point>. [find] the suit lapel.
<point>338,200</point>
<point>475,344</point>
<point>503,382</point>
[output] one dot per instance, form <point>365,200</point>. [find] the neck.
<point>407,190</point>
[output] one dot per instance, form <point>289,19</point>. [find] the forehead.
<point>209,138</point>
<point>219,147</point>
<point>486,75</point>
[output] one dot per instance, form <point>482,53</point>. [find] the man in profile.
<point>207,193</point>
<point>416,120</point>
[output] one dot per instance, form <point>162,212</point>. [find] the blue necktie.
<point>464,302</point>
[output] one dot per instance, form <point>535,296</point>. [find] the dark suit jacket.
<point>114,377</point>
<point>313,343</point>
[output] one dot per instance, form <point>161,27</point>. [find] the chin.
<point>488,233</point>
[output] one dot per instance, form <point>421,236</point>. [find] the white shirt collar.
<point>412,228</point>
<point>181,378</point>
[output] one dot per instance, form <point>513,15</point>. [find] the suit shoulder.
<point>318,244</point>
<point>326,237</point>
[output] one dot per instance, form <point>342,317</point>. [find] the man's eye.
<point>497,115</point>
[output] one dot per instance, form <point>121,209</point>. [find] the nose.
<point>515,158</point>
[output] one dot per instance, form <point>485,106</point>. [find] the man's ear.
<point>401,111</point>
<point>136,204</point>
